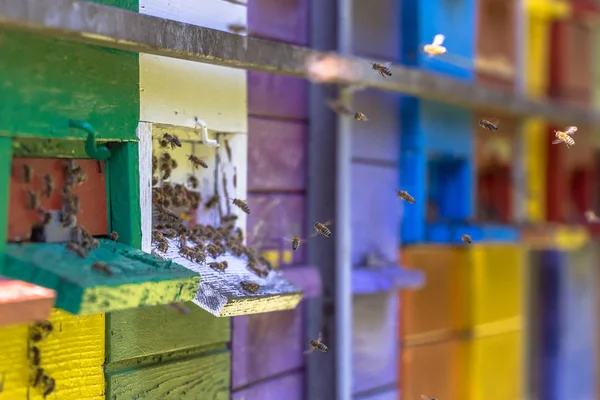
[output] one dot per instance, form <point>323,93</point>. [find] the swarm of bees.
<point>39,377</point>
<point>316,344</point>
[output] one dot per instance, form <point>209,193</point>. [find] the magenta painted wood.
<point>266,344</point>
<point>376,28</point>
<point>282,20</point>
<point>277,96</point>
<point>276,155</point>
<point>281,216</point>
<point>307,278</point>
<point>289,387</point>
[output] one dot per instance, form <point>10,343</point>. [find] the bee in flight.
<point>360,117</point>
<point>321,228</point>
<point>489,125</point>
<point>382,69</point>
<point>466,239</point>
<point>591,216</point>
<point>435,48</point>
<point>565,136</point>
<point>405,196</point>
<point>169,140</point>
<point>339,107</point>
<point>242,205</point>
<point>316,345</point>
<point>197,162</point>
<point>295,242</point>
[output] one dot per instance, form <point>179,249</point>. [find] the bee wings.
<point>438,39</point>
<point>571,130</point>
<point>557,141</point>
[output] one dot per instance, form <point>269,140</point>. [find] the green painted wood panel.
<point>206,377</point>
<point>156,330</point>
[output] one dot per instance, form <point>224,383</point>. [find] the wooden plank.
<point>266,345</point>
<point>155,330</point>
<point>144,133</point>
<point>76,81</point>
<point>374,280</point>
<point>376,31</point>
<point>289,387</point>
<point>285,21</point>
<point>221,293</point>
<point>14,365</point>
<point>494,42</point>
<point>375,344</point>
<point>73,354</point>
<point>93,214</point>
<point>276,155</point>
<point>277,96</point>
<point>21,302</point>
<point>138,278</point>
<point>205,377</point>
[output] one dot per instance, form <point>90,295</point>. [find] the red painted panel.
<point>282,20</point>
<point>266,344</point>
<point>289,387</point>
<point>278,96</point>
<point>581,192</point>
<point>93,213</point>
<point>274,217</point>
<point>276,155</point>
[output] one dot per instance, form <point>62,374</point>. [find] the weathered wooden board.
<point>22,302</point>
<point>73,354</point>
<point>161,329</point>
<point>204,377</point>
<point>138,278</point>
<point>289,387</point>
<point>277,96</point>
<point>285,21</point>
<point>375,344</point>
<point>266,345</point>
<point>276,155</point>
<point>376,31</point>
<point>221,293</point>
<point>14,366</point>
<point>93,214</point>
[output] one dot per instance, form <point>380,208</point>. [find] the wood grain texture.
<point>14,366</point>
<point>204,377</point>
<point>275,217</point>
<point>138,278</point>
<point>376,31</point>
<point>277,96</point>
<point>155,330</point>
<point>265,345</point>
<point>74,81</point>
<point>144,133</point>
<point>375,348</point>
<point>73,355</point>
<point>93,214</point>
<point>276,155</point>
<point>285,21</point>
<point>289,387</point>
<point>21,302</point>
<point>221,294</point>
<point>214,14</point>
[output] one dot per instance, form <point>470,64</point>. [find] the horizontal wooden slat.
<point>161,329</point>
<point>21,302</point>
<point>205,377</point>
<point>286,21</point>
<point>267,344</point>
<point>277,96</point>
<point>276,155</point>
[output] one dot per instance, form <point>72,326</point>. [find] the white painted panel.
<point>144,134</point>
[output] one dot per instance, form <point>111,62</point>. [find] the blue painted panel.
<point>412,179</point>
<point>452,233</point>
<point>449,183</point>
<point>447,129</point>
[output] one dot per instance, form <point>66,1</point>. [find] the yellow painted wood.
<point>14,366</point>
<point>535,170</point>
<point>73,355</point>
<point>571,238</point>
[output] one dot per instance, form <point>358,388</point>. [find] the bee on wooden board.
<point>466,239</point>
<point>49,385</point>
<point>193,181</point>
<point>316,345</point>
<point>169,140</point>
<point>405,196</point>
<point>295,241</point>
<point>489,125</point>
<point>565,137</point>
<point>236,28</point>
<point>35,356</point>
<point>591,216</point>
<point>242,205</point>
<point>197,162</point>
<point>164,214</point>
<point>77,249</point>
<point>33,200</point>
<point>360,117</point>
<point>322,229</point>
<point>27,173</point>
<point>40,330</point>
<point>103,268</point>
<point>219,266</point>
<point>37,377</point>
<point>48,185</point>
<point>250,287</point>
<point>435,48</point>
<point>382,69</point>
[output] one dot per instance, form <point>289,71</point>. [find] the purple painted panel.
<point>276,155</point>
<point>283,20</point>
<point>375,213</point>
<point>289,387</point>
<point>377,138</point>
<point>265,345</point>
<point>376,28</point>
<point>275,216</point>
<point>306,278</point>
<point>277,96</point>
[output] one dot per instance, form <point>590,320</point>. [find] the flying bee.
<point>339,107</point>
<point>360,117</point>
<point>382,69</point>
<point>77,249</point>
<point>435,48</point>
<point>405,196</point>
<point>295,242</point>
<point>169,140</point>
<point>33,200</point>
<point>321,228</point>
<point>236,28</point>
<point>591,216</point>
<point>251,287</point>
<point>48,185</point>
<point>242,205</point>
<point>489,125</point>
<point>27,173</point>
<point>219,266</point>
<point>197,162</point>
<point>466,239</point>
<point>193,181</point>
<point>565,136</point>
<point>316,345</point>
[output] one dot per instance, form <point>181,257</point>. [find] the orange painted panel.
<point>434,370</point>
<point>22,302</point>
<point>93,214</point>
<point>436,306</point>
